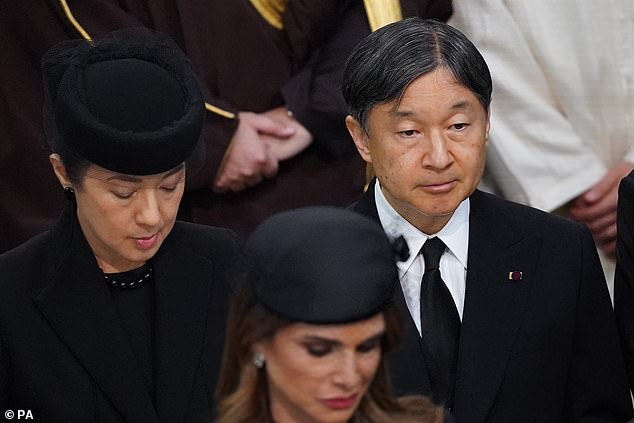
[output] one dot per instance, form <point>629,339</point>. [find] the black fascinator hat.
<point>322,265</point>
<point>128,102</point>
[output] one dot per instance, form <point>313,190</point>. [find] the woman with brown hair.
<point>307,339</point>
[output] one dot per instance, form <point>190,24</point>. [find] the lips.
<point>340,403</point>
<point>440,187</point>
<point>146,243</point>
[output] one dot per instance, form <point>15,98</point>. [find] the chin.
<point>337,416</point>
<point>334,418</point>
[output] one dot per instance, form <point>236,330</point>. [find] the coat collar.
<point>494,305</point>
<point>78,306</point>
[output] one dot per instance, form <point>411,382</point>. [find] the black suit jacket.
<point>541,349</point>
<point>624,277</point>
<point>64,354</point>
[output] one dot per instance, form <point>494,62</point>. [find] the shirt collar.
<point>455,234</point>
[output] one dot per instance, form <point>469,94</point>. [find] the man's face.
<point>428,152</point>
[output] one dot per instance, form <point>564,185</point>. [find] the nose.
<point>437,154</point>
<point>348,374</point>
<point>148,208</point>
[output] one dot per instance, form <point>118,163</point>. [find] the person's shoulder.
<point>419,409</point>
<point>219,246</point>
<point>24,254</point>
<point>521,216</point>
<point>201,231</point>
<point>23,268</point>
<point>207,240</point>
<point>627,183</point>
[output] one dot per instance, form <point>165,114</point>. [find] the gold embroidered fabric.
<point>217,110</point>
<point>73,21</point>
<point>382,12</point>
<point>271,11</point>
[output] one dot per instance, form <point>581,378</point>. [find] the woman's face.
<point>320,373</point>
<point>125,218</point>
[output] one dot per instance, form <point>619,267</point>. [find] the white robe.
<point>563,94</point>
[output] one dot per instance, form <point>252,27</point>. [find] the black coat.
<point>624,277</point>
<point>64,354</point>
<point>541,349</point>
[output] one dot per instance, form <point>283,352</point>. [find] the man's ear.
<point>60,170</point>
<point>360,138</point>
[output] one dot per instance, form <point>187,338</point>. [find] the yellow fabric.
<point>271,11</point>
<point>382,12</point>
<point>73,21</point>
<point>217,110</point>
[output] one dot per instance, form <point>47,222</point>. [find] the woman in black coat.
<point>117,313</point>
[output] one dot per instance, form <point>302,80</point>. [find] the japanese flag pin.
<point>515,276</point>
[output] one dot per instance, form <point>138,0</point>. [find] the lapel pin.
<point>515,276</point>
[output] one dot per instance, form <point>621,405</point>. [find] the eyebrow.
<point>334,342</point>
<point>461,105</point>
<point>136,179</point>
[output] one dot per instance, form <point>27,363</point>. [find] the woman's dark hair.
<point>74,163</point>
<point>382,66</point>
<point>242,391</point>
<point>75,166</point>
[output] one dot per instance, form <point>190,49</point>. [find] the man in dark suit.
<point>509,317</point>
<point>624,277</point>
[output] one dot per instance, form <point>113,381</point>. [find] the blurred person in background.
<point>562,114</point>
<point>270,72</point>
<point>624,277</point>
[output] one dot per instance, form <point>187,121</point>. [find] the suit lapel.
<point>77,304</point>
<point>494,305</point>
<point>182,308</point>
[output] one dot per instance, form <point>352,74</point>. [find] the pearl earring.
<point>258,359</point>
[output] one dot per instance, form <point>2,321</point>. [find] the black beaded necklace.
<point>131,279</point>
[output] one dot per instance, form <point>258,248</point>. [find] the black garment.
<point>624,277</point>
<point>542,349</point>
<point>64,352</point>
<point>136,310</point>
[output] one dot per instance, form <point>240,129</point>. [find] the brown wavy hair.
<point>242,392</point>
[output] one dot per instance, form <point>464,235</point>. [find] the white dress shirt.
<point>453,263</point>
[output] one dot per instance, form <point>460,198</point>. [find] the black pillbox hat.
<point>322,265</point>
<point>128,102</point>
